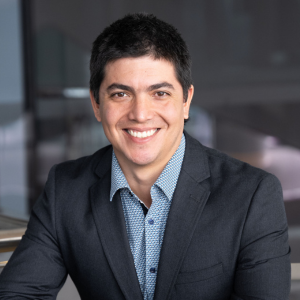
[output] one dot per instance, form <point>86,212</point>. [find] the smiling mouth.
<point>141,134</point>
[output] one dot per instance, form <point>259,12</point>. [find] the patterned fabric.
<point>145,233</point>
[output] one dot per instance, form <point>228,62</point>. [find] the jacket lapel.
<point>188,202</point>
<point>110,223</point>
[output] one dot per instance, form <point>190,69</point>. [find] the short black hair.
<point>138,35</point>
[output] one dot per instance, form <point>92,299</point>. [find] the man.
<point>156,215</point>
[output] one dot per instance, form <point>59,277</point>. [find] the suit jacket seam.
<point>183,170</point>
<point>44,245</point>
<point>249,206</point>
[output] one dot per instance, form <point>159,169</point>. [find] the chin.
<point>142,160</point>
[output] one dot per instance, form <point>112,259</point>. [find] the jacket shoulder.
<point>225,166</point>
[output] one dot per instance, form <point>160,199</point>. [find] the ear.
<point>187,103</point>
<point>96,107</point>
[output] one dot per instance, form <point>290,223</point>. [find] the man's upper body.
<point>219,233</point>
<point>225,237</point>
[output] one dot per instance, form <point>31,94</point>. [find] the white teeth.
<point>140,134</point>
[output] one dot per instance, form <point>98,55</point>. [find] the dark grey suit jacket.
<point>226,235</point>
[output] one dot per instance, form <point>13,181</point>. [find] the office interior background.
<point>246,71</point>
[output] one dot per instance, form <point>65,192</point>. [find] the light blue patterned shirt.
<point>145,233</point>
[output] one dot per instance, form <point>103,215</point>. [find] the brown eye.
<point>119,95</point>
<point>161,94</point>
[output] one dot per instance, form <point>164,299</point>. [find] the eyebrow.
<point>119,86</point>
<point>160,85</point>
<point>130,89</point>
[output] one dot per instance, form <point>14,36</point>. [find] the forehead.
<point>139,70</point>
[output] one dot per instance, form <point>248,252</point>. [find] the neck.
<point>141,179</point>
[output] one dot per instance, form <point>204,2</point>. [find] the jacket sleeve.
<point>36,269</point>
<point>264,269</point>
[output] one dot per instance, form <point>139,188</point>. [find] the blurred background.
<point>246,70</point>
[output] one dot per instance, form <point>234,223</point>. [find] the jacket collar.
<point>103,161</point>
<point>195,161</point>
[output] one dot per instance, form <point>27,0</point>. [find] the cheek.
<point>111,115</point>
<point>172,113</point>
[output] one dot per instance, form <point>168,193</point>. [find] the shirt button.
<point>151,222</point>
<point>152,270</point>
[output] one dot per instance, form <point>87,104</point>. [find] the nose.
<point>141,109</point>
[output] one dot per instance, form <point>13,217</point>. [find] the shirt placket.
<point>152,230</point>
<point>135,224</point>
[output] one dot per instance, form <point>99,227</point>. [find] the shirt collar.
<point>166,181</point>
<point>168,178</point>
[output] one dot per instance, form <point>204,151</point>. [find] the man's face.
<point>142,110</point>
